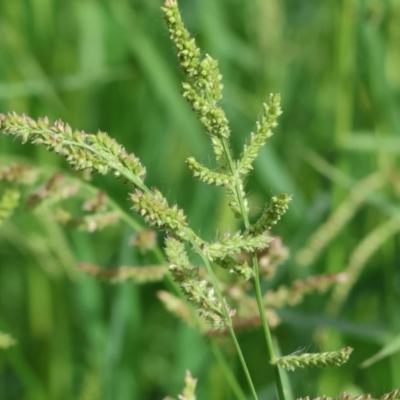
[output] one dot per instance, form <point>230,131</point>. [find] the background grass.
<point>109,65</point>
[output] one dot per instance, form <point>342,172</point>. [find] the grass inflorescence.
<point>216,284</point>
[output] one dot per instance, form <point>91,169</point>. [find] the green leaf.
<point>388,350</point>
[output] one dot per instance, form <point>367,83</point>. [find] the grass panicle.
<point>213,301</point>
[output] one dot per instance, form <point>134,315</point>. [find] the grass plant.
<point>220,284</point>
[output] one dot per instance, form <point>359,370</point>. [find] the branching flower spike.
<point>203,87</point>
<point>250,252</point>
<point>300,288</point>
<point>97,153</point>
<point>262,132</point>
<point>235,267</point>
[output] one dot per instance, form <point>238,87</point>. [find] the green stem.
<point>266,329</point>
<point>230,377</point>
<point>227,316</point>
<point>242,360</point>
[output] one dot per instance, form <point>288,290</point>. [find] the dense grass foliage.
<point>109,65</point>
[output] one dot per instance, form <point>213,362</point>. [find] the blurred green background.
<point>109,65</point>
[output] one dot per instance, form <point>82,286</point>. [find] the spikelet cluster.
<point>96,203</point>
<point>52,191</point>
<point>236,267</point>
<point>18,174</point>
<point>145,274</point>
<point>262,132</point>
<point>271,214</point>
<point>315,360</point>
<point>205,175</point>
<point>153,207</point>
<point>188,392</point>
<point>268,259</point>
<point>198,291</point>
<point>299,288</point>
<point>88,223</point>
<point>97,153</point>
<point>271,257</point>
<point>202,88</point>
<point>230,246</point>
<point>145,240</point>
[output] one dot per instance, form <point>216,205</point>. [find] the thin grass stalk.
<point>230,377</point>
<point>227,317</point>
<point>266,329</point>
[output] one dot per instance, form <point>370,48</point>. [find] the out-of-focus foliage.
<point>109,65</point>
